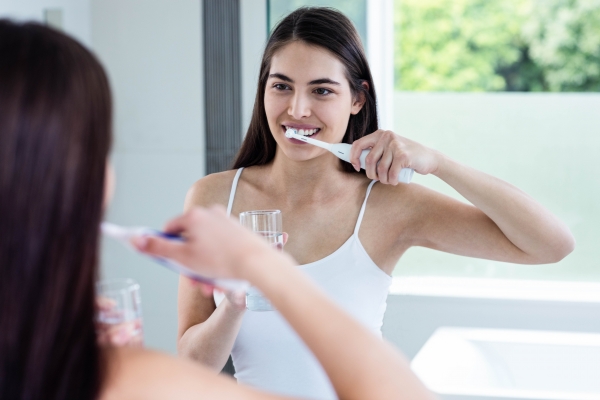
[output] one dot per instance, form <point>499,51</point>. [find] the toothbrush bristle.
<point>114,231</point>
<point>110,229</point>
<point>290,132</point>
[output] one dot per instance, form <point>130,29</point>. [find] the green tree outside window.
<point>497,45</point>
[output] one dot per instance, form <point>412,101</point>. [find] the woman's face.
<point>307,90</point>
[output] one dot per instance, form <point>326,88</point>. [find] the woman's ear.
<point>360,99</point>
<point>109,184</point>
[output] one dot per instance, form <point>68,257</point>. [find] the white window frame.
<point>380,52</point>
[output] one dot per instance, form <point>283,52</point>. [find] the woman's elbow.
<point>569,245</point>
<point>562,248</point>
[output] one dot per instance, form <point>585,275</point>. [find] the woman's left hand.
<point>126,333</point>
<point>390,153</point>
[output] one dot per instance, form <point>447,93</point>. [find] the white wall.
<point>152,50</point>
<point>76,14</point>
<point>253,38</point>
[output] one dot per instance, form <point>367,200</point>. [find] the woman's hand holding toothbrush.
<point>215,245</point>
<point>390,153</point>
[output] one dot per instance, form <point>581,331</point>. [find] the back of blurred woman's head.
<point>55,130</point>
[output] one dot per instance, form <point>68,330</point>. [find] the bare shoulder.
<point>147,374</point>
<point>211,189</point>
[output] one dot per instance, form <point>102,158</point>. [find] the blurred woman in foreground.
<point>55,134</point>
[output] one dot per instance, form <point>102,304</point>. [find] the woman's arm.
<point>359,364</point>
<point>206,333</point>
<point>505,224</point>
<point>539,236</point>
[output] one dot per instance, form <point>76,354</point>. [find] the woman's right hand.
<point>214,246</point>
<point>236,298</point>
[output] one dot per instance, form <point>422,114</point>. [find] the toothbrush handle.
<point>234,285</point>
<point>405,176</point>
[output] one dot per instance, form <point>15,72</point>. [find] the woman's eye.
<point>322,91</point>
<point>280,86</point>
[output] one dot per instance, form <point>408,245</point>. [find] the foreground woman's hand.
<point>390,153</point>
<point>215,245</point>
<point>123,334</point>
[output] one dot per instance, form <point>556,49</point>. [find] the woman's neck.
<point>312,180</point>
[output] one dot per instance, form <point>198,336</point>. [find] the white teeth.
<point>303,132</point>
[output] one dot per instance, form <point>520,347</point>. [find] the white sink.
<point>466,363</point>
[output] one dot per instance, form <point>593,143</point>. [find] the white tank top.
<point>269,355</point>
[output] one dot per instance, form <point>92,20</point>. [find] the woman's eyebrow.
<point>281,76</point>
<point>319,81</point>
<point>322,81</point>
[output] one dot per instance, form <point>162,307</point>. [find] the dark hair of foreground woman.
<point>55,133</point>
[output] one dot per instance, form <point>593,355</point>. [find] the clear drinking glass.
<point>120,312</point>
<point>266,223</point>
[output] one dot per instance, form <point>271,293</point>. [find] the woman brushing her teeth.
<point>347,229</point>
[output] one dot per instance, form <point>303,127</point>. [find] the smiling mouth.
<point>303,132</point>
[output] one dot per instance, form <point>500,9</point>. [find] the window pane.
<point>499,45</point>
<point>544,143</point>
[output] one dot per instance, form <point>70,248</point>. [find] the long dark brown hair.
<point>55,132</point>
<point>329,29</point>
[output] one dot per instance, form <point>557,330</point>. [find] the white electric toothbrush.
<point>342,151</point>
<point>124,235</point>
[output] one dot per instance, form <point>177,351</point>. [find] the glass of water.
<point>266,223</point>
<point>119,312</point>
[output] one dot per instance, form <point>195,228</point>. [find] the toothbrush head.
<point>290,132</point>
<point>114,231</point>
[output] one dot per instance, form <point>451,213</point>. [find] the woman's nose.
<point>299,107</point>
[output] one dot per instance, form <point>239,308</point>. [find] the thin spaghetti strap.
<point>362,209</point>
<point>233,189</point>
